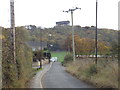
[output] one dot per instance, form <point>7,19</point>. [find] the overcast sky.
<point>46,12</point>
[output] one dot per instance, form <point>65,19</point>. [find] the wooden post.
<point>12,31</point>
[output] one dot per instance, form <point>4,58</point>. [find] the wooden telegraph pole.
<point>96,38</point>
<point>73,38</point>
<point>12,27</point>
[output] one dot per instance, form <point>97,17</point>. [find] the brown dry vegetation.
<point>16,75</point>
<point>104,75</point>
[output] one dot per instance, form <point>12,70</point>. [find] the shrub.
<point>91,70</point>
<point>38,54</point>
<point>67,59</point>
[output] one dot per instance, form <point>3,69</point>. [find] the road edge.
<point>41,85</point>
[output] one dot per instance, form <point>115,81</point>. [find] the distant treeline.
<point>107,38</point>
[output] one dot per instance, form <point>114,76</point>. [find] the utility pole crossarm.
<point>71,10</point>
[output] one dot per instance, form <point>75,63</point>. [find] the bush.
<point>91,70</point>
<point>67,59</point>
<point>38,54</point>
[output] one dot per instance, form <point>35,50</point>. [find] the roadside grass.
<point>59,55</point>
<point>35,70</point>
<point>104,75</point>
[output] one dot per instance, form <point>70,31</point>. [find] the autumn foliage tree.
<point>68,43</point>
<point>103,48</point>
<point>85,46</point>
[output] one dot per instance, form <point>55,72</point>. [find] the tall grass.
<point>104,75</point>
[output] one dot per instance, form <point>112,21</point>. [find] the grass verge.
<point>104,75</point>
<point>35,71</point>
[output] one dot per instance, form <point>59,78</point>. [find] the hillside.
<point>60,33</point>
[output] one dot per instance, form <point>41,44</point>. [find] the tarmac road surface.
<point>57,77</point>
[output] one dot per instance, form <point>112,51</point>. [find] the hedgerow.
<point>15,75</point>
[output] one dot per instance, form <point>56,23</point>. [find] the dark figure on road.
<point>45,55</point>
<point>49,56</point>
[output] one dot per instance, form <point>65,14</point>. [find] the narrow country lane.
<point>57,77</point>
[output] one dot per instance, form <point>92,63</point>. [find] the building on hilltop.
<point>62,23</point>
<point>30,27</point>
